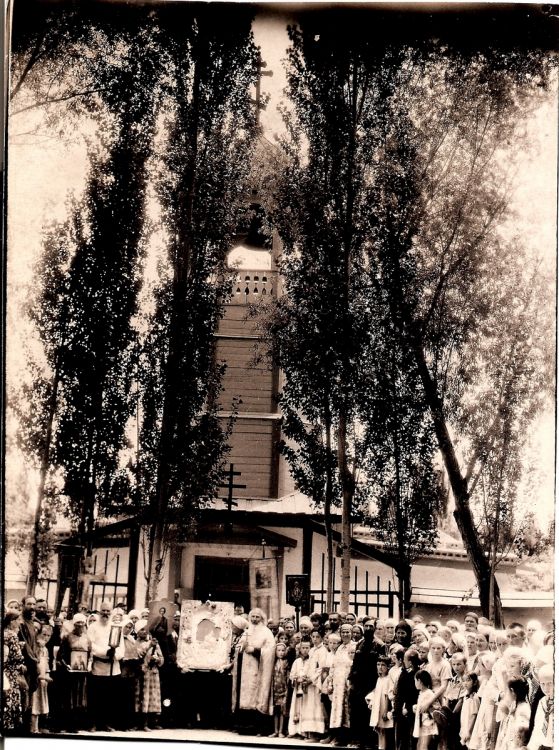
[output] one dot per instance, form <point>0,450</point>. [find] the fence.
<point>371,600</point>
<point>110,589</point>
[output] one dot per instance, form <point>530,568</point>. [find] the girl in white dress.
<point>470,708</point>
<point>337,679</point>
<point>424,728</point>
<point>488,695</point>
<point>379,702</point>
<point>306,717</point>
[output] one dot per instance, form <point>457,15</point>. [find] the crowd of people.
<point>332,678</point>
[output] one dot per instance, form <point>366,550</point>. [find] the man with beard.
<point>335,621</point>
<point>27,636</point>
<point>41,613</point>
<point>105,668</point>
<point>255,661</point>
<point>362,680</point>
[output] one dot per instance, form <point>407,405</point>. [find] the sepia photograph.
<point>280,373</point>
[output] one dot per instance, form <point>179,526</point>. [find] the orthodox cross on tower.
<point>260,65</point>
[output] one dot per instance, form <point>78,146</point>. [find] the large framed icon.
<point>204,635</point>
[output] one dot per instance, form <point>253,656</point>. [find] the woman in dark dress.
<point>13,673</point>
<point>405,697</point>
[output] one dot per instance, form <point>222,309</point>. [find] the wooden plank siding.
<point>254,439</point>
<point>252,383</point>
<point>254,454</point>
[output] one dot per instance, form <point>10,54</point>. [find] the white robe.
<point>99,633</point>
<point>307,709</point>
<point>379,703</point>
<point>339,672</point>
<point>483,727</point>
<point>257,669</point>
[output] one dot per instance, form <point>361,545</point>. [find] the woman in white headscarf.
<point>130,674</point>
<point>72,664</point>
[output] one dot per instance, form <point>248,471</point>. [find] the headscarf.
<point>79,618</point>
<point>305,621</point>
<point>239,622</point>
<point>488,659</point>
<point>141,624</point>
<point>459,641</point>
<point>134,613</point>
<point>356,625</point>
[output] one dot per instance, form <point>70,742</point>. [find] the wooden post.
<point>323,594</point>
<point>132,566</point>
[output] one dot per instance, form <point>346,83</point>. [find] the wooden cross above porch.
<point>230,486</point>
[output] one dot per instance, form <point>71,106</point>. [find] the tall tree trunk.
<point>330,582</point>
<point>403,571</point>
<point>463,512</point>
<point>347,479</point>
<point>347,500</point>
<point>45,463</point>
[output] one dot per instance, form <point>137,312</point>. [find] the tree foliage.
<point>210,65</point>
<point>89,277</point>
<point>400,176</point>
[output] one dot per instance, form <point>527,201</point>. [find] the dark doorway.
<point>222,579</point>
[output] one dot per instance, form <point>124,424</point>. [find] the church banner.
<point>204,635</point>
<point>264,586</point>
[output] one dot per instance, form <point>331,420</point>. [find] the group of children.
<point>429,693</point>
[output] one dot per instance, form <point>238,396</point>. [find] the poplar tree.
<point>211,62</point>
<point>90,274</point>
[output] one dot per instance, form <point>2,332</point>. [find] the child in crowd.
<point>514,726</point>
<point>424,728</point>
<point>405,698</point>
<point>423,651</point>
<point>471,652</point>
<point>305,716</point>
<point>333,640</point>
<point>148,694</point>
<point>470,708</point>
<point>485,721</point>
<point>542,734</point>
<point>40,700</point>
<point>381,707</point>
<point>396,656</point>
<point>279,690</point>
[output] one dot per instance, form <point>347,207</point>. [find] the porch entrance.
<point>222,579</point>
